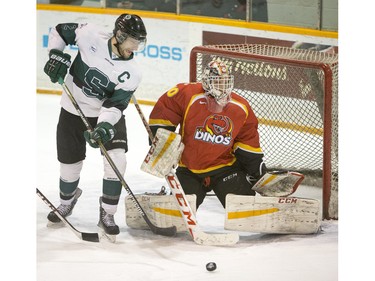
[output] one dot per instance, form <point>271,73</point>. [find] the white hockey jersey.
<point>101,82</point>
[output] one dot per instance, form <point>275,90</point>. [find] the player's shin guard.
<point>111,184</point>
<point>118,157</point>
<point>111,192</point>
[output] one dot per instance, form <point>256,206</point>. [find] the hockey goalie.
<point>218,148</point>
<point>273,210</point>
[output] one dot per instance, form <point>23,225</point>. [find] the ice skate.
<point>64,210</point>
<point>107,224</point>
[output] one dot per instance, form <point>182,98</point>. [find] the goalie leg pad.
<point>273,215</point>
<point>162,211</point>
<point>164,153</point>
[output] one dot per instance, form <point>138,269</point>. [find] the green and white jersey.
<point>101,82</point>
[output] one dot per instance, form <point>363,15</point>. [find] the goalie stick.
<point>166,231</point>
<point>200,237</point>
<point>91,237</point>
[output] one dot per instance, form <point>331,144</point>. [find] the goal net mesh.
<point>294,94</point>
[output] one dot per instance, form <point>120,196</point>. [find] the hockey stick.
<point>200,237</point>
<point>144,121</point>
<point>91,237</point>
<point>168,231</point>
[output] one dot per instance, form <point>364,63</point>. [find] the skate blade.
<point>55,225</point>
<point>109,237</point>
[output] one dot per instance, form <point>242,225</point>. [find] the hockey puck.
<point>211,266</point>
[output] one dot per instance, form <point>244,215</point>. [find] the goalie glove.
<point>278,183</point>
<point>103,132</point>
<point>57,65</point>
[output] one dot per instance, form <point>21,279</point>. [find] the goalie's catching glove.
<point>57,65</point>
<point>103,132</point>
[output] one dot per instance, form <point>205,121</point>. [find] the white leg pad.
<point>273,215</point>
<point>162,210</point>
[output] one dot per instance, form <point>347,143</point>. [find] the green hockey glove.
<point>57,65</point>
<point>103,132</point>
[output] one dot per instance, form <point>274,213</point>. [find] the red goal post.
<point>294,94</point>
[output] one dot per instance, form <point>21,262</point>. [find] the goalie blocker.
<point>164,153</point>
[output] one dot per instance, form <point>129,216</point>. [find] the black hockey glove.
<point>57,65</point>
<point>254,177</point>
<point>103,132</point>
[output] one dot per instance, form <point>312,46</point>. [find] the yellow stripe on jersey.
<point>241,105</point>
<point>213,168</point>
<point>192,100</point>
<point>161,122</point>
<point>247,148</point>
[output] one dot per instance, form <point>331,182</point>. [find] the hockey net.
<point>294,94</point>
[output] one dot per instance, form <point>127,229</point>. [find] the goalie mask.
<point>130,33</point>
<point>218,84</point>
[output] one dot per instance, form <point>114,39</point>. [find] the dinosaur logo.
<point>217,129</point>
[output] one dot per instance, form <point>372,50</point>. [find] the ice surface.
<point>142,255</point>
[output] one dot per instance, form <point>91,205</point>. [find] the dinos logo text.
<point>217,129</point>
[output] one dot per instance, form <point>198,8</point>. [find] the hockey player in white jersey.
<point>102,78</point>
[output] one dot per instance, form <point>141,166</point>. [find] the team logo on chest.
<point>217,129</point>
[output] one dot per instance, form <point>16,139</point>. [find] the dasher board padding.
<point>273,215</point>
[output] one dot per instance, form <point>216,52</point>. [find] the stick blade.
<point>215,239</point>
<point>165,231</point>
<point>90,237</point>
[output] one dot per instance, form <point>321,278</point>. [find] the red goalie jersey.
<point>213,141</point>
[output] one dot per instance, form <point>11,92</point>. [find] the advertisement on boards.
<point>165,60</point>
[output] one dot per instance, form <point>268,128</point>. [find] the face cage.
<point>220,88</point>
<point>135,44</point>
